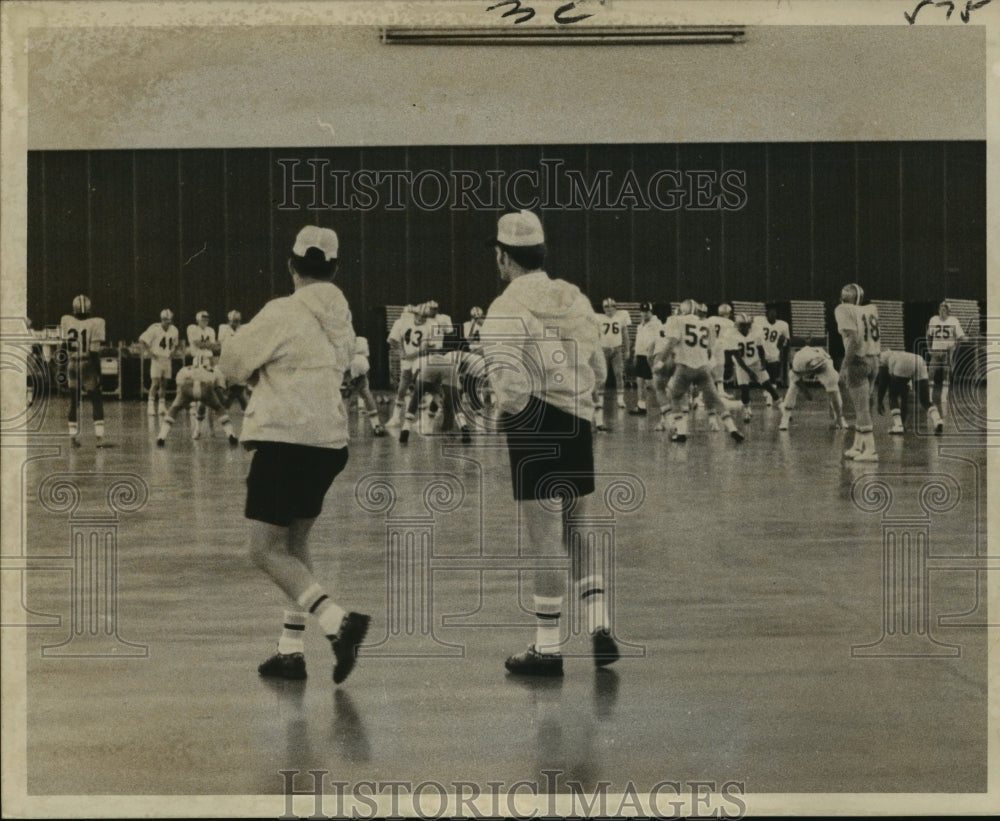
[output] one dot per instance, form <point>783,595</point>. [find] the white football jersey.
<point>440,326</point>
<point>226,330</point>
<point>411,335</point>
<point>160,342</point>
<point>747,346</point>
<point>944,334</point>
<point>692,339</point>
<point>772,333</point>
<point>613,328</point>
<point>646,334</point>
<point>862,320</point>
<point>81,335</point>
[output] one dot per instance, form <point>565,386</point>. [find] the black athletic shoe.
<point>466,435</point>
<point>737,436</point>
<point>637,412</point>
<point>284,665</point>
<point>345,644</point>
<point>161,443</point>
<point>939,429</point>
<point>378,430</point>
<point>605,648</point>
<point>533,663</point>
<point>404,436</point>
<point>233,440</point>
<point>679,437</point>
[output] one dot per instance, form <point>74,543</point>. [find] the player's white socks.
<point>293,632</point>
<point>460,420</point>
<point>74,429</point>
<point>680,424</point>
<point>621,399</point>
<point>151,409</point>
<point>165,427</point>
<point>373,419</point>
<point>599,418</point>
<point>316,602</point>
<point>99,429</point>
<point>592,598</point>
<point>547,614</point>
<point>897,421</point>
<point>934,415</point>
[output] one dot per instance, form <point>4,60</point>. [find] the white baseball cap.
<point>520,229</point>
<point>312,236</point>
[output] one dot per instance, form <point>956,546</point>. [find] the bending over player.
<point>896,370</point>
<point>748,362</point>
<point>810,364</point>
<point>195,383</point>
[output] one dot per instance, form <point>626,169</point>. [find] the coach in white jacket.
<point>294,354</point>
<point>542,346</point>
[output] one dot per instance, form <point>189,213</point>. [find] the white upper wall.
<point>338,85</point>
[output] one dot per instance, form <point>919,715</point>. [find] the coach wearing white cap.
<point>541,345</point>
<point>294,354</point>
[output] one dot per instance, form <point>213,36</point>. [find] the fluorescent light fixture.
<point>561,35</point>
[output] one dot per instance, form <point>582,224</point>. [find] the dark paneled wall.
<point>210,229</point>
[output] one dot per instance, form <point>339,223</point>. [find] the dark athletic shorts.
<point>642,369</point>
<point>289,481</point>
<point>552,456</point>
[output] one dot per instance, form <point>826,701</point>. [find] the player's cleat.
<point>605,648</point>
<point>853,452</point>
<point>939,429</point>
<point>378,430</point>
<point>602,427</point>
<point>404,436</point>
<point>533,663</point>
<point>161,443</point>
<point>637,412</point>
<point>466,435</point>
<point>679,437</point>
<point>233,440</point>
<point>737,436</point>
<point>866,456</point>
<point>897,428</point>
<point>284,665</point>
<point>345,644</point>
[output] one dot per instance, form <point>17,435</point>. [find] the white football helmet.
<point>688,306</point>
<point>234,316</point>
<point>725,309</point>
<point>852,293</point>
<point>166,315</point>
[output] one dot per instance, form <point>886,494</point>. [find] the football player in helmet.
<point>897,369</point>
<point>159,341</point>
<point>813,364</point>
<point>858,325</point>
<point>82,335</point>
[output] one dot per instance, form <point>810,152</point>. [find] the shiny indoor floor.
<point>761,642</point>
